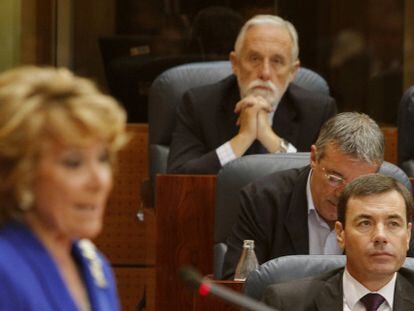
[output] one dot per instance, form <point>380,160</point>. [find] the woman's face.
<point>71,187</point>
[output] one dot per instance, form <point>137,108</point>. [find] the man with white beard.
<point>256,110</point>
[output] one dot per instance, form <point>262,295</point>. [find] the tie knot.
<point>372,301</point>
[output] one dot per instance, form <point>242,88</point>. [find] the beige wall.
<point>9,33</point>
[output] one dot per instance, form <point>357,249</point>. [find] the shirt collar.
<point>354,291</point>
<point>311,205</point>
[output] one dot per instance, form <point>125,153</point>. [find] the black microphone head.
<point>191,276</point>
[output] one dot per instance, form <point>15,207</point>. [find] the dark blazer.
<point>274,213</point>
<point>31,280</point>
<point>325,293</point>
<point>206,120</point>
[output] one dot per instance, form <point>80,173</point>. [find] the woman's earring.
<point>26,200</point>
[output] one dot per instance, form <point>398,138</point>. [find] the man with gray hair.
<point>256,110</point>
<point>294,211</point>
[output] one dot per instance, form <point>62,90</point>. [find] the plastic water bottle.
<point>247,262</point>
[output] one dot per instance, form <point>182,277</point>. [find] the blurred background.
<point>363,48</point>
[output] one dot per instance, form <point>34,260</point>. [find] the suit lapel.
<point>331,295</point>
<point>296,220</point>
<point>285,119</point>
<point>225,116</point>
<point>404,293</point>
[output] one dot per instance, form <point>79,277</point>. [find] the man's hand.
<point>269,139</point>
<point>247,132</point>
<point>253,101</point>
<point>248,109</point>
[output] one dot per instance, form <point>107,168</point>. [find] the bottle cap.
<point>248,243</point>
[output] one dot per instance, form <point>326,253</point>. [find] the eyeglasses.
<point>333,180</point>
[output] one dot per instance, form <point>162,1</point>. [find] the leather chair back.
<point>238,173</point>
<point>288,268</point>
<point>405,132</point>
<point>166,93</point>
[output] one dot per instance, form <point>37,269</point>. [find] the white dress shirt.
<point>354,291</point>
<point>226,154</point>
<point>322,240</point>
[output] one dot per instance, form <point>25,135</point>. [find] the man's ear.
<point>234,62</point>
<point>313,156</point>
<point>294,70</point>
<point>340,234</point>
<point>409,228</point>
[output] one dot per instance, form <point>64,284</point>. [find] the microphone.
<point>204,287</point>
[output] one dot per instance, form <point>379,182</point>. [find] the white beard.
<point>272,93</point>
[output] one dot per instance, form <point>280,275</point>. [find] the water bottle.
<point>247,262</point>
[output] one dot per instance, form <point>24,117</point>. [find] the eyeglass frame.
<point>334,180</point>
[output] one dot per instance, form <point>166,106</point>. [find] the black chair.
<point>405,130</point>
<point>238,173</point>
<point>288,268</point>
<point>168,89</point>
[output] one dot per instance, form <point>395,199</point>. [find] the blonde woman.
<point>58,139</point>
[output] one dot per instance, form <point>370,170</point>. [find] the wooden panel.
<point>87,59</point>
<point>391,139</point>
<point>38,32</point>
<point>125,239</point>
<point>213,303</point>
<point>185,217</point>
<point>133,285</point>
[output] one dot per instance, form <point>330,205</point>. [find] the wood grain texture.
<point>133,285</point>
<point>391,140</point>
<point>185,221</point>
<point>125,239</point>
<point>129,243</point>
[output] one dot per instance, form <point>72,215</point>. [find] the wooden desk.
<point>184,231</point>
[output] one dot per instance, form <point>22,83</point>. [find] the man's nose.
<point>380,234</point>
<point>97,177</point>
<point>265,71</point>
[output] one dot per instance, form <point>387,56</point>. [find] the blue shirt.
<point>322,240</point>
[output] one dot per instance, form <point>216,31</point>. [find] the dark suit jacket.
<point>324,293</point>
<point>274,213</point>
<point>206,120</point>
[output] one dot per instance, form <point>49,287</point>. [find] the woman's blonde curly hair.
<point>42,105</point>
